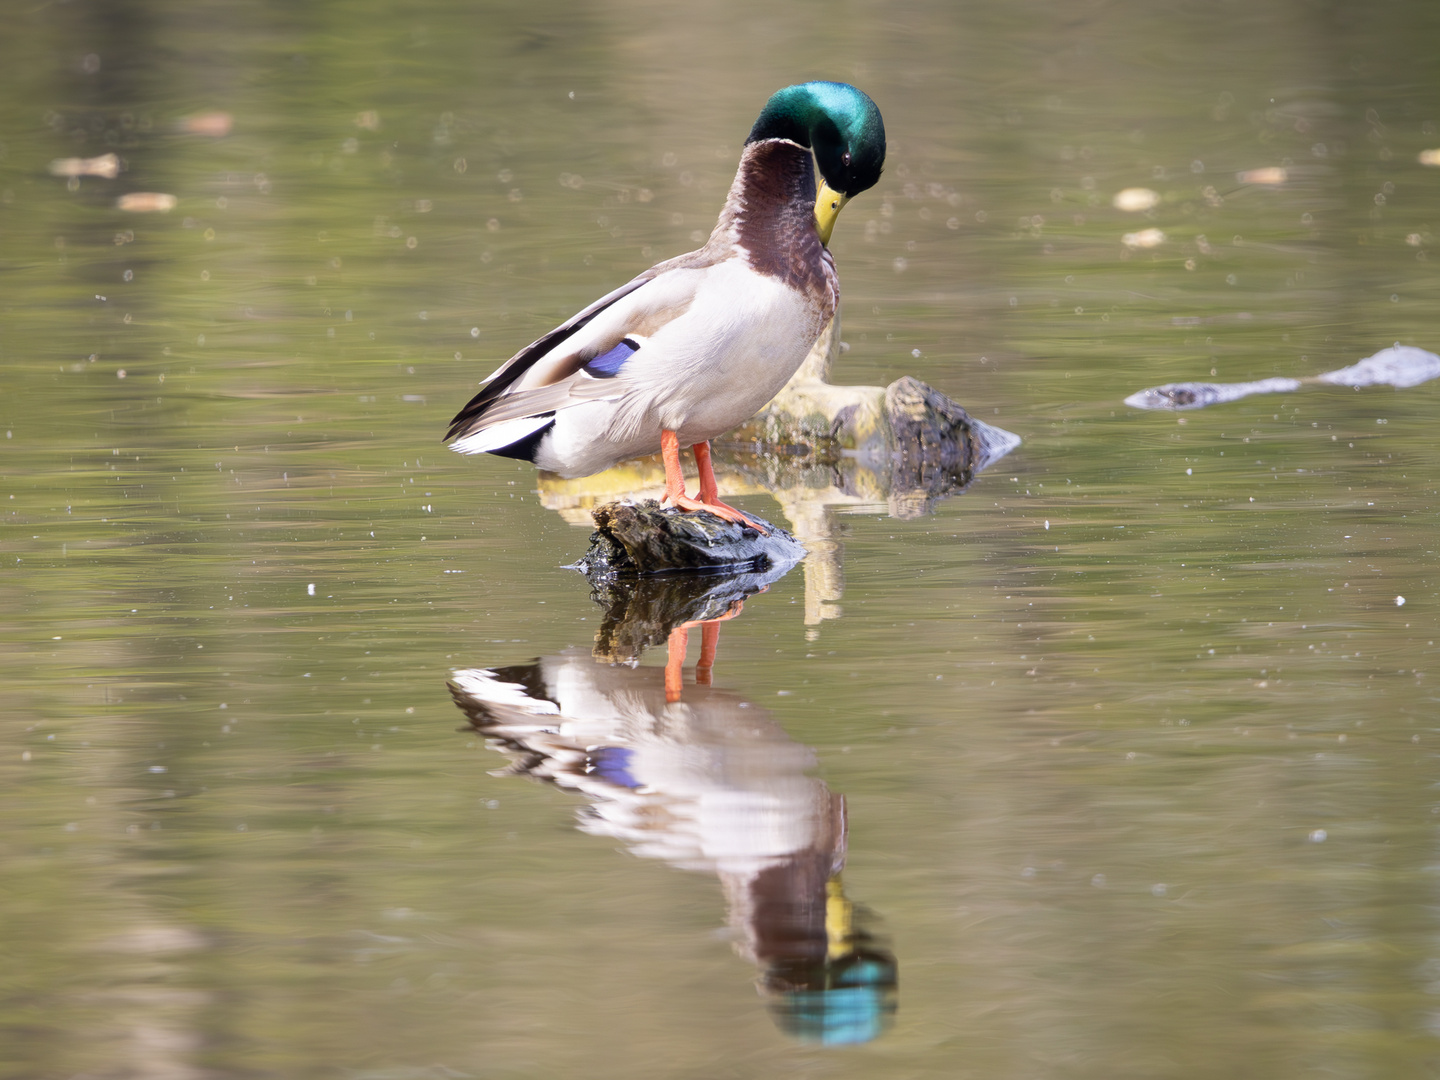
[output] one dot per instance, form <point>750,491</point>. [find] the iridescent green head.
<point>838,122</point>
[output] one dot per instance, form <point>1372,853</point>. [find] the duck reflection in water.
<point>707,781</point>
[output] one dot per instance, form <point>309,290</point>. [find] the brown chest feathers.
<point>774,218</point>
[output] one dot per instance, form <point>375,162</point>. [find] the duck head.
<point>842,127</point>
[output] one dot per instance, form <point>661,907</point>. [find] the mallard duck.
<point>698,344</point>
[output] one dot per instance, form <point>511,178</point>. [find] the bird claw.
<point>720,510</point>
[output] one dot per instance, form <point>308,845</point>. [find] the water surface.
<point>1136,737</point>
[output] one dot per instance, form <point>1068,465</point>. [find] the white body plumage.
<point>696,345</point>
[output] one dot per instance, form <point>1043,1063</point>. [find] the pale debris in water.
<point>1429,157</point>
<point>369,120</point>
<point>1399,601</point>
<point>1135,199</point>
<point>106,166</point>
<point>1399,366</point>
<point>1271,175</point>
<point>1145,238</point>
<point>147,202</point>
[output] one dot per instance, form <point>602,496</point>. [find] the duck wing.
<point>571,363</point>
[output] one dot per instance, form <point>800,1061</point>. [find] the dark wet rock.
<point>644,539</point>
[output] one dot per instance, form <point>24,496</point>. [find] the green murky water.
<point>1135,738</point>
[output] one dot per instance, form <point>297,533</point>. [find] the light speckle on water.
<point>1145,238</point>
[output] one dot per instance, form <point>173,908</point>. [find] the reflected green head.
<point>838,122</point>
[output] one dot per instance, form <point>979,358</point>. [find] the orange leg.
<point>674,478</point>
<point>709,491</point>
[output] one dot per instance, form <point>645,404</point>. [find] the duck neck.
<point>770,211</point>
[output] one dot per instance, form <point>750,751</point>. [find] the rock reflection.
<point>641,612</point>
<point>705,780</point>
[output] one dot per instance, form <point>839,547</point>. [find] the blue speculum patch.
<point>608,365</point>
<point>612,763</point>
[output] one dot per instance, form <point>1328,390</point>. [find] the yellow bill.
<point>827,209</point>
<point>839,913</point>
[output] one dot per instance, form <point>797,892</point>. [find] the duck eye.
<point>845,158</point>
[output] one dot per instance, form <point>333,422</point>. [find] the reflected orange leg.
<point>709,640</point>
<point>679,641</point>
<point>709,491</point>
<point>675,647</point>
